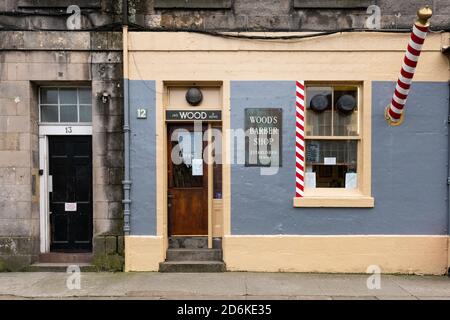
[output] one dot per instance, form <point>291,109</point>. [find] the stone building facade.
<point>44,45</point>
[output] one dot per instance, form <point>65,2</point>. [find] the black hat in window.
<point>346,104</point>
<point>319,103</point>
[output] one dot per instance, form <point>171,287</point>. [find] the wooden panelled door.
<point>187,181</point>
<point>70,164</point>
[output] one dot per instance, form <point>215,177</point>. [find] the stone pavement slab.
<point>221,286</point>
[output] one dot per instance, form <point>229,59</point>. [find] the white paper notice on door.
<point>70,206</point>
<point>197,167</point>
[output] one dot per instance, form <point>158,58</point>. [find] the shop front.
<point>214,155</point>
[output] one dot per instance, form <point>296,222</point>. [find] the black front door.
<point>70,162</point>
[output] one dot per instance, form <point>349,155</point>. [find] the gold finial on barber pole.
<point>424,15</point>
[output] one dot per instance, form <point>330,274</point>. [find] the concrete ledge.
<point>333,4</point>
<point>143,253</point>
<point>192,4</point>
<point>337,254</point>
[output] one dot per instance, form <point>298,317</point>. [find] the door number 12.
<point>142,113</point>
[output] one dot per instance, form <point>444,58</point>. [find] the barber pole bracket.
<point>299,138</point>
<point>394,112</point>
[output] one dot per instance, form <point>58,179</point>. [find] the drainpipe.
<point>126,124</point>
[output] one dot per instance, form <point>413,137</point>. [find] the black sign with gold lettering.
<point>196,115</point>
<point>263,142</point>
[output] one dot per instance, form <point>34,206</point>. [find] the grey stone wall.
<point>82,57</point>
<point>246,15</point>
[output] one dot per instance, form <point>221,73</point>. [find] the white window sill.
<point>328,201</point>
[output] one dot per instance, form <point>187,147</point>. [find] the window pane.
<point>331,163</point>
<point>85,95</point>
<point>318,114</point>
<point>68,113</point>
<point>49,95</point>
<point>85,114</point>
<point>68,96</point>
<point>345,116</point>
<point>49,113</point>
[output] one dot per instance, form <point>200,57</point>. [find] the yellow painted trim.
<point>226,159</point>
<point>448,246</point>
<point>334,202</point>
<point>358,56</point>
<point>210,189</point>
<point>143,253</point>
<point>337,254</point>
<point>342,42</point>
<point>125,51</point>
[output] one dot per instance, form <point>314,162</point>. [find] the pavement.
<point>229,286</point>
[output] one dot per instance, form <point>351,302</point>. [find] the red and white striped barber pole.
<point>394,111</point>
<point>300,138</point>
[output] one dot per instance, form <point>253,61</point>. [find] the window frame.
<point>78,104</point>
<point>341,197</point>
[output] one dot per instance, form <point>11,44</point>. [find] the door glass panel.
<point>189,148</point>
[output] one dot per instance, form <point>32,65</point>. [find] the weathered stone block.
<point>15,245</point>
<point>114,141</point>
<point>99,144</point>
<point>114,159</point>
<point>56,40</point>
<point>120,245</point>
<point>101,176</point>
<point>16,193</point>
<point>8,107</point>
<point>106,71</point>
<point>10,159</point>
<point>99,245</point>
<point>7,176</point>
<point>14,263</point>
<point>107,226</point>
<point>23,176</point>
<point>192,4</point>
<point>115,210</point>
<point>12,40</point>
<point>110,244</point>
<point>107,57</point>
<point>115,176</point>
<point>332,4</point>
<point>9,141</point>
<point>183,20</point>
<point>262,7</point>
<point>15,209</point>
<point>226,22</point>
<point>101,210</point>
<point>269,22</point>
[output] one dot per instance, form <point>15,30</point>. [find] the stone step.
<point>62,257</point>
<point>59,267</point>
<point>194,255</point>
<point>192,266</point>
<point>193,242</point>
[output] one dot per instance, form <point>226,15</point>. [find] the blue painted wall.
<point>409,169</point>
<point>143,158</point>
